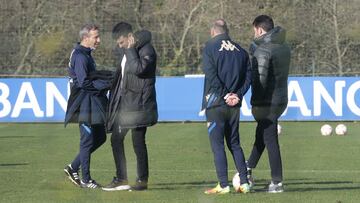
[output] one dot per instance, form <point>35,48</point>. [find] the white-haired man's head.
<point>218,27</point>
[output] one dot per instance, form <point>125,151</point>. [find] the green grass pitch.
<point>316,168</point>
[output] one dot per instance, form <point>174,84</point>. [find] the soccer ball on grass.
<point>326,130</point>
<point>236,182</point>
<point>341,129</point>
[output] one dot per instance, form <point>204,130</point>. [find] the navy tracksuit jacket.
<point>227,70</point>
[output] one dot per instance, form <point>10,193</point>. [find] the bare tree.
<point>37,35</point>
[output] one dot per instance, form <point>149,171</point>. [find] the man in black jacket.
<point>132,103</point>
<point>227,78</point>
<point>270,64</point>
<point>86,105</point>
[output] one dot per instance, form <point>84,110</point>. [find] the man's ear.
<point>85,39</point>
<point>262,31</point>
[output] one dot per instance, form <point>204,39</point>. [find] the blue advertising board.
<point>179,99</point>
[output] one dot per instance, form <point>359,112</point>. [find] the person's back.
<point>270,64</point>
<point>270,79</point>
<point>230,61</point>
<point>227,78</point>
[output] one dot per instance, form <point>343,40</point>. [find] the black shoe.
<point>72,175</point>
<point>117,184</point>
<point>140,185</point>
<point>91,184</point>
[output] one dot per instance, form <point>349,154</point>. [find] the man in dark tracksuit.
<point>270,61</point>
<point>227,78</point>
<point>132,105</point>
<point>86,105</point>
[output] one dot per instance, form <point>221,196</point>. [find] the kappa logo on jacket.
<point>228,46</point>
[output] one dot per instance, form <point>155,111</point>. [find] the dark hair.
<point>121,29</point>
<point>265,22</point>
<point>220,26</point>
<point>85,29</point>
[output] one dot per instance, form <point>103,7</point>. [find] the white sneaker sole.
<point>118,188</point>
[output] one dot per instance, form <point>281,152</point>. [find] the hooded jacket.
<point>132,101</point>
<point>270,64</point>
<point>227,70</point>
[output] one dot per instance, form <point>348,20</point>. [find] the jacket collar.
<point>276,36</point>
<point>81,48</point>
<point>220,37</point>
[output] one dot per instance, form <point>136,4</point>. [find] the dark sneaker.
<point>250,179</point>
<point>91,184</point>
<point>250,176</point>
<point>117,184</point>
<point>72,175</point>
<point>139,185</point>
<point>275,188</point>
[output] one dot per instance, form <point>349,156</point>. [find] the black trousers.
<point>139,145</point>
<point>267,136</point>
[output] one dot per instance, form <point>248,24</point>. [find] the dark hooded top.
<point>132,101</point>
<point>270,64</point>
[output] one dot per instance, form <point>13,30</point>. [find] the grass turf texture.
<point>316,168</point>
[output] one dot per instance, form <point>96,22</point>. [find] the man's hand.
<point>232,99</point>
<point>131,41</point>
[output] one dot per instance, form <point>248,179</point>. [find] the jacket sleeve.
<point>102,79</point>
<point>210,70</point>
<point>81,72</point>
<point>84,80</point>
<point>140,63</point>
<point>263,63</point>
<point>248,77</point>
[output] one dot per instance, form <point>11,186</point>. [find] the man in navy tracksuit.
<point>86,104</point>
<point>227,78</point>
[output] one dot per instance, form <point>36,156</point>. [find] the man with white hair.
<point>86,104</point>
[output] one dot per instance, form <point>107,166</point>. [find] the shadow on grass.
<point>207,183</point>
<point>319,182</point>
<point>15,136</point>
<point>13,164</point>
<point>339,188</point>
<point>291,185</point>
<point>304,181</point>
<point>307,185</point>
<point>183,185</point>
